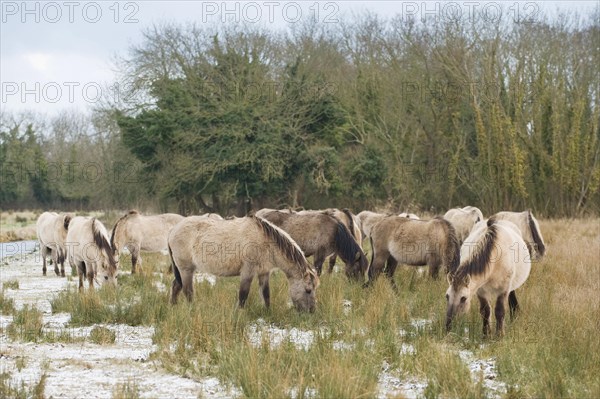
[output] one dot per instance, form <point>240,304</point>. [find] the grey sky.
<point>56,55</point>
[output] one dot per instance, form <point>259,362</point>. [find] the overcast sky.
<point>57,55</point>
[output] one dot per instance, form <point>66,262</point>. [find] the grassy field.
<point>551,350</point>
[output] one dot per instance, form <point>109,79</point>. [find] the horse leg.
<point>187,280</point>
<point>135,253</point>
<point>91,273</point>
<point>245,283</point>
<point>62,265</point>
<point>332,260</point>
<point>390,269</point>
<point>44,254</point>
<point>56,258</point>
<point>377,265</point>
<point>485,310</point>
<point>263,281</point>
<point>434,266</point>
<point>319,259</point>
<point>513,304</point>
<point>499,312</point>
<point>81,273</point>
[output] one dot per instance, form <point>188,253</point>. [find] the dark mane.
<point>350,220</point>
<point>102,243</point>
<point>288,247</point>
<point>479,261</point>
<point>345,244</point>
<point>537,239</point>
<point>114,230</point>
<point>453,259</point>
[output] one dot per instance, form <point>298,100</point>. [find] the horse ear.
<point>468,279</point>
<point>450,278</point>
<point>357,256</point>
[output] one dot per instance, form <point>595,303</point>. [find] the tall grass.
<point>550,350</point>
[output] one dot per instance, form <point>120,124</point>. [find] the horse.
<point>367,220</point>
<point>490,269</point>
<point>51,229</point>
<point>321,234</point>
<point>88,249</point>
<point>530,231</point>
<point>140,232</point>
<point>463,220</point>
<point>409,216</point>
<point>413,242</point>
<point>245,247</point>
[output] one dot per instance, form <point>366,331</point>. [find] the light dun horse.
<point>463,220</point>
<point>142,233</point>
<point>51,231</point>
<point>89,250</point>
<point>244,247</point>
<point>530,231</point>
<point>320,234</point>
<point>413,242</point>
<point>491,269</point>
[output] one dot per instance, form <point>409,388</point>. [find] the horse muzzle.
<point>449,317</point>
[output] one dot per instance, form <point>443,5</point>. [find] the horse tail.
<point>537,237</point>
<point>114,247</point>
<point>452,255</point>
<point>66,221</point>
<point>102,243</point>
<point>174,267</point>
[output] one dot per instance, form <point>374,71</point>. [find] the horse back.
<point>218,247</point>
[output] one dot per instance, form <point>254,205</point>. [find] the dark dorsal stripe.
<point>537,239</point>
<point>350,221</point>
<point>114,230</point>
<point>479,262</point>
<point>291,251</point>
<point>102,243</point>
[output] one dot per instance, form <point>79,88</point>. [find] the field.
<point>130,342</point>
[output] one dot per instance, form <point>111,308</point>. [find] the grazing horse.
<point>413,242</point>
<point>490,268</point>
<point>139,232</point>
<point>51,229</point>
<point>530,231</point>
<point>88,249</point>
<point>244,247</point>
<point>321,234</point>
<point>463,220</point>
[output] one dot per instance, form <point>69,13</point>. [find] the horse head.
<point>458,298</point>
<point>303,291</point>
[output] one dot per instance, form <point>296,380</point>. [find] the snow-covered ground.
<point>78,368</point>
<point>82,369</point>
